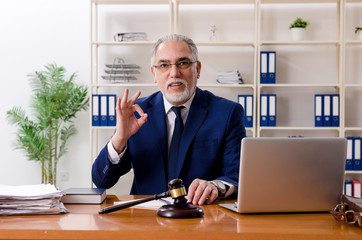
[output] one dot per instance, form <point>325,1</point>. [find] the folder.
<point>272,105</point>
<point>348,189</point>
<point>103,110</point>
<point>264,110</point>
<point>249,111</point>
<point>356,191</point>
<point>95,110</point>
<point>335,110</point>
<point>112,110</point>
<point>318,110</point>
<point>263,67</point>
<point>247,102</point>
<point>356,154</point>
<point>350,151</point>
<point>327,122</point>
<point>271,67</point>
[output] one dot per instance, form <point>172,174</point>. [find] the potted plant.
<point>298,27</point>
<point>359,32</point>
<point>54,104</point>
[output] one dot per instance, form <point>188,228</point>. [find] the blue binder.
<point>327,117</point>
<point>318,110</point>
<point>272,107</point>
<point>357,154</point>
<point>263,67</point>
<point>103,110</point>
<point>335,110</point>
<point>348,189</point>
<point>247,102</point>
<point>95,110</point>
<point>264,110</point>
<point>112,110</point>
<point>350,151</point>
<point>271,66</point>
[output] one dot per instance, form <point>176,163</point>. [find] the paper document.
<point>30,199</point>
<point>154,204</point>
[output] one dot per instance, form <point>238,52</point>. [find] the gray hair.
<point>175,37</point>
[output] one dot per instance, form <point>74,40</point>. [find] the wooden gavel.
<point>179,209</point>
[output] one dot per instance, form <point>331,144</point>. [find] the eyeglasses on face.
<point>184,64</point>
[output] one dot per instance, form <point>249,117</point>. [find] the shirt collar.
<point>168,105</point>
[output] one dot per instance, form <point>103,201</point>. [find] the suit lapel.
<point>194,120</point>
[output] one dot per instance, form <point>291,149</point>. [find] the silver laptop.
<point>290,175</point>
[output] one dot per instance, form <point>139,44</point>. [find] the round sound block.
<point>183,211</point>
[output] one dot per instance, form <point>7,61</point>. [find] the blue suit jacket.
<point>209,148</point>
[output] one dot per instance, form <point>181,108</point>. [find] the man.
<point>207,156</point>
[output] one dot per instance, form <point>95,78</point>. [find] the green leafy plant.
<point>358,29</point>
<point>54,104</point>
<point>298,23</point>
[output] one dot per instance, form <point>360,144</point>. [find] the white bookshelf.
<point>328,61</point>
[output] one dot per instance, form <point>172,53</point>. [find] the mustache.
<point>175,80</point>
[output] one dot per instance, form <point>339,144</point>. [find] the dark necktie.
<point>175,142</point>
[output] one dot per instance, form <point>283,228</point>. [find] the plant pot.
<point>298,34</point>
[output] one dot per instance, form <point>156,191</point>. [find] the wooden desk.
<point>84,222</point>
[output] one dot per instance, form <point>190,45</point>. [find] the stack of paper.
<point>229,77</point>
<point>130,36</point>
<point>30,199</point>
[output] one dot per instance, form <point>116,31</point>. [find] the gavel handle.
<point>132,203</point>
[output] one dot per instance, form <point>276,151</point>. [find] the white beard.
<point>183,97</point>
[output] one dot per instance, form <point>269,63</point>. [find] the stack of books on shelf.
<point>120,71</point>
<point>229,77</point>
<point>31,199</point>
<point>130,36</point>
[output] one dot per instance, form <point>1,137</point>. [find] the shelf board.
<point>232,44</point>
<point>298,85</point>
<point>97,85</point>
<point>210,2</point>
<point>354,42</point>
<point>299,1</point>
<point>218,85</point>
<point>349,85</point>
<point>353,129</point>
<point>300,128</point>
<point>131,2</point>
<point>130,43</point>
<point>215,85</point>
<point>353,172</point>
<point>329,42</point>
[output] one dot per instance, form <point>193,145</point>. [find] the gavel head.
<point>177,191</point>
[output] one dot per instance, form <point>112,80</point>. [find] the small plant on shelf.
<point>359,32</point>
<point>298,27</point>
<point>298,23</point>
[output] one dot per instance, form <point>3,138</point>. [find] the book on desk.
<point>84,195</point>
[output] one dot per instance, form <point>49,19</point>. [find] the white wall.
<point>33,34</point>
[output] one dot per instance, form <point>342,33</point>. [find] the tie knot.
<point>177,110</point>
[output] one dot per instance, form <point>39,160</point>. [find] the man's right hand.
<point>127,123</point>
